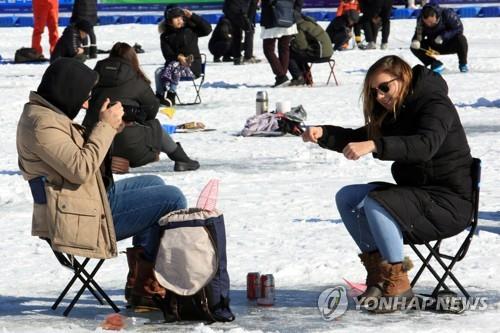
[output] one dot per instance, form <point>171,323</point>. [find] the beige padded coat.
<point>77,218</point>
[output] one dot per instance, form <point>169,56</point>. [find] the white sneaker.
<point>384,46</point>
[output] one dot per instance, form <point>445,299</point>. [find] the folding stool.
<point>88,281</point>
<point>435,251</point>
<point>331,63</point>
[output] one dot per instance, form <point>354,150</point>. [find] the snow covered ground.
<point>276,193</point>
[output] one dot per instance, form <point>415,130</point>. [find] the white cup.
<point>283,106</point>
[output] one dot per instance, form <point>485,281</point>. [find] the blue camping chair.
<point>197,83</point>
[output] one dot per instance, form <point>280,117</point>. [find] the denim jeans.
<point>137,203</point>
<point>369,224</point>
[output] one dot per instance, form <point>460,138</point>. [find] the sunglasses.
<point>383,87</point>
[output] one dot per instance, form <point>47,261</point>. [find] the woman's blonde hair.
<point>373,112</point>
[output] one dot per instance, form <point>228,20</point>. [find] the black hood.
<point>114,72</point>
<point>426,83</point>
<point>67,84</point>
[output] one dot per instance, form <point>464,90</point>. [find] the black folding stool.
<point>331,63</point>
<point>435,252</point>
<point>70,262</point>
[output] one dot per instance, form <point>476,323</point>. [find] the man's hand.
<point>354,150</point>
<point>312,134</point>
<point>111,114</point>
<point>187,13</point>
<point>80,50</point>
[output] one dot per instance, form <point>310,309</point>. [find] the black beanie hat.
<point>173,12</point>
<point>84,26</point>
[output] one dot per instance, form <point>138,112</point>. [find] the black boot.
<point>163,101</point>
<point>171,96</point>
<point>182,161</point>
<point>93,52</point>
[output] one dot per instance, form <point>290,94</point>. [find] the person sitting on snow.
<point>70,45</point>
<point>339,30</point>
<point>439,29</point>
<point>141,141</point>
<point>180,31</point>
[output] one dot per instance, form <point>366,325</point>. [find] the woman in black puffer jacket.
<point>410,120</point>
<point>142,139</point>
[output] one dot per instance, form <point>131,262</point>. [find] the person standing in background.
<point>271,32</point>
<point>248,57</point>
<point>376,14</point>
<point>87,10</point>
<point>236,12</point>
<point>45,13</point>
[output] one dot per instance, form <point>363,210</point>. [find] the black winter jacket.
<point>68,44</point>
<point>432,161</point>
<point>139,143</point>
<point>84,10</point>
<point>184,40</point>
<point>221,39</point>
<point>449,25</point>
<point>266,15</point>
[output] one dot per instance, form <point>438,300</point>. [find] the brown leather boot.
<point>397,290</point>
<point>132,257</point>
<point>119,165</point>
<point>145,287</point>
<point>374,278</point>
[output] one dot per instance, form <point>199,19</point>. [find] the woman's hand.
<point>112,114</point>
<point>187,13</point>
<point>312,134</point>
<point>182,60</point>
<point>354,150</point>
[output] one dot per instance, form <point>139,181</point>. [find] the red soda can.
<point>253,285</point>
<point>266,290</point>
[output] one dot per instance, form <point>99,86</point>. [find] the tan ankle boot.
<point>374,279</point>
<point>145,287</point>
<point>133,254</point>
<point>397,290</point>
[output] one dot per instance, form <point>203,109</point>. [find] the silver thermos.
<point>261,102</point>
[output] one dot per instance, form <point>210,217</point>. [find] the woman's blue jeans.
<point>137,203</point>
<point>369,224</point>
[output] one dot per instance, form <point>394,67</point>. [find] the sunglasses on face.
<point>383,87</point>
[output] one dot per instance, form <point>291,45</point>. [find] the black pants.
<point>299,63</point>
<point>457,44</point>
<point>248,47</point>
<point>237,33</point>
<point>339,38</point>
<point>371,28</point>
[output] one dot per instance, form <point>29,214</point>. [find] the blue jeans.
<point>369,223</point>
<point>137,203</point>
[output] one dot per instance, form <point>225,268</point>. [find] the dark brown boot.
<point>145,287</point>
<point>119,165</point>
<point>133,254</point>
<point>374,279</point>
<point>397,290</point>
